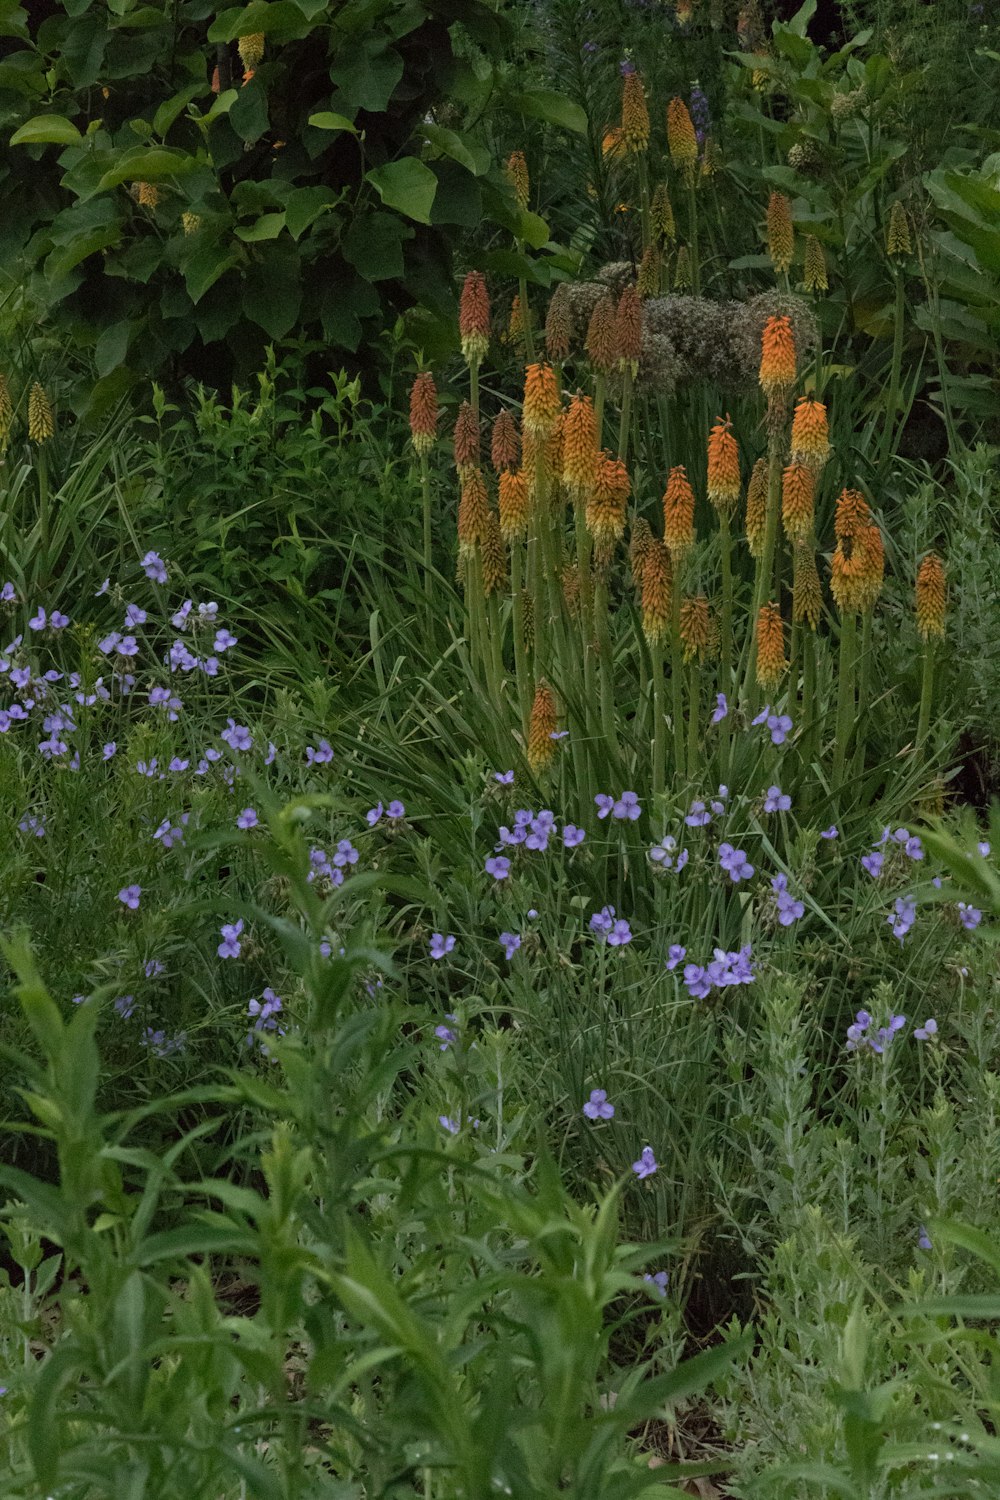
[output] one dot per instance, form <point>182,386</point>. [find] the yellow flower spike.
<point>780,232</point>
<point>757,508</point>
<point>41,423</point>
<point>814,277</point>
<point>798,500</point>
<point>473,514</point>
<point>607,503</point>
<point>810,442</point>
<point>580,449</point>
<point>601,344</point>
<point>678,514</point>
<point>558,325</point>
<point>657,591</point>
<point>251,50</point>
<point>494,558</point>
<point>777,361</point>
<point>682,142</point>
<point>541,401</point>
<point>723,467</point>
<point>541,727</point>
<point>931,596</point>
<point>513,505</point>
<point>771,663</point>
<point>504,443</point>
<point>517,176</point>
<point>635,115</point>
<point>897,239</point>
<point>807,592</point>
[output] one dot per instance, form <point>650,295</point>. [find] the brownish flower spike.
<point>757,507</point>
<point>606,506</point>
<point>814,277</point>
<point>494,559</point>
<point>513,505</point>
<point>423,413</point>
<point>474,317</point>
<point>541,727</point>
<point>682,269</point>
<point>6,412</point>
<point>798,491</point>
<point>558,325</point>
<point>648,278</point>
<point>662,215</point>
<point>807,593</point>
<point>504,445</point>
<point>931,598</point>
<point>682,141</point>
<point>473,514</point>
<point>628,329</point>
<point>696,628</point>
<point>466,440</point>
<point>635,115</point>
<point>639,544</point>
<point>602,344</point>
<point>657,579</point>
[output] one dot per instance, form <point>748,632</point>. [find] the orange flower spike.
<point>723,467</point>
<point>602,343</point>
<point>606,506</point>
<point>931,598</point>
<point>474,317</point>
<point>780,233</point>
<point>558,325</point>
<point>580,448</point>
<point>423,413</point>
<point>798,500</point>
<point>696,628</point>
<point>771,663</point>
<point>504,444</point>
<point>635,115</point>
<point>639,544</point>
<point>628,330</point>
<point>682,141</point>
<point>678,514</point>
<point>777,362</point>
<point>466,440</point>
<point>657,580</point>
<point>852,514</point>
<point>541,727</point>
<point>513,505</point>
<point>541,401</point>
<point>473,514</point>
<point>872,573</point>
<point>810,433</point>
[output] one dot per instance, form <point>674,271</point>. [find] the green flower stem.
<point>425,490</point>
<point>926,692</point>
<point>583,552</point>
<point>677,675</point>
<point>694,719</point>
<point>517,619</point>
<point>889,426</point>
<point>522,292</point>
<point>726,625</point>
<point>808,694</point>
<point>845,695</point>
<point>647,233</point>
<point>693,238</point>
<point>606,664</point>
<point>626,413</point>
<point>864,688</point>
<point>659,718</point>
<point>43,512</point>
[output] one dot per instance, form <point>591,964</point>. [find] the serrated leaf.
<point>407,185</point>
<point>46,130</point>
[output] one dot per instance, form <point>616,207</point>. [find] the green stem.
<point>659,719</point>
<point>606,665</point>
<point>693,239</point>
<point>765,587</point>
<point>425,488</point>
<point>694,717</point>
<point>644,201</point>
<point>889,427</point>
<point>623,425</point>
<point>676,676</point>
<point>726,627</point>
<point>864,684</point>
<point>517,613</point>
<point>926,693</point>
<point>808,694</point>
<point>522,292</point>
<point>845,694</point>
<point>43,512</point>
<point>583,551</point>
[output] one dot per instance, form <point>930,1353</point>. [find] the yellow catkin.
<point>466,440</point>
<point>635,115</point>
<point>628,329</point>
<point>678,514</point>
<point>931,598</point>
<point>639,544</point>
<point>474,317</point>
<point>6,412</point>
<point>897,239</point>
<point>580,448</point>
<point>41,424</point>
<point>814,277</point>
<point>798,500</point>
<point>696,628</point>
<point>493,556</point>
<point>662,215</point>
<point>682,269</point>
<point>514,491</point>
<point>757,508</point>
<point>656,585</point>
<point>647,282</point>
<point>473,513</point>
<point>810,443</point>
<point>251,49</point>
<point>541,727</point>
<point>777,357</point>
<point>541,401</point>
<point>682,142</point>
<point>517,176</point>
<point>601,343</point>
<point>504,444</point>
<point>780,233</point>
<point>558,325</point>
<point>771,663</point>
<point>723,467</point>
<point>807,592</point>
<point>190,223</point>
<point>148,195</point>
<point>607,503</point>
<point>423,412</point>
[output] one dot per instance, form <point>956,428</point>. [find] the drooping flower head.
<point>780,233</point>
<point>810,433</point>
<point>678,514</point>
<point>798,491</point>
<point>931,598</point>
<point>504,443</point>
<point>474,317</point>
<point>542,726</point>
<point>682,142</point>
<point>771,663</point>
<point>423,412</point>
<point>777,362</point>
<point>723,467</point>
<point>635,115</point>
<point>757,507</point>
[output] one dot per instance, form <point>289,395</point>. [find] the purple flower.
<point>776,800</point>
<point>735,863</point>
<point>223,641</point>
<point>124,1006</point>
<point>780,726</point>
<point>675,955</point>
<point>153,567</point>
<point>659,1280</point>
<point>902,916</point>
<point>620,934</point>
<point>663,855</point>
<point>762,717</point>
<point>129,896</point>
<point>539,830</point>
<point>927,1031</point>
<point>247,819</point>
<point>602,921</point>
<point>510,942</point>
<point>346,854</point>
<point>924,1239</point>
<point>627,807</point>
<point>597,1106</point>
<point>7,594</point>
<point>559,734</point>
<point>395,811</point>
<point>721,708</point>
<point>440,944</point>
<point>969,916</point>
<point>832,832</point>
<point>321,755</point>
<point>373,814</point>
<point>154,968</point>
<point>873,863</point>
<point>58,621</point>
<point>983,848</point>
<point>230,945</point>
<point>179,619</point>
<point>857,1029</point>
<point>913,848</point>
<point>178,764</point>
<point>604,804</point>
<point>572,836</point>
<point>134,615</point>
<point>789,910</point>
<point>128,646</point>
<point>452,1126</point>
<point>696,981</point>
<point>885,1034</point>
<point>37,622</point>
<point>498,866</point>
<point>698,816</point>
<point>447,1035</point>
<point>646,1165</point>
<point>237,736</point>
<point>505,778</point>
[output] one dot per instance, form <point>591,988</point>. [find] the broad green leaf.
<point>249,114</point>
<point>267,227</point>
<point>112,347</point>
<point>368,79</point>
<point>63,260</point>
<point>272,289</point>
<point>303,207</point>
<point>168,111</point>
<point>799,23</point>
<point>407,185</point>
<point>147,164</point>
<point>552,107</point>
<point>277,18</point>
<point>47,130</point>
<point>325,120</point>
<point>473,158</point>
<point>193,1239</point>
<point>206,265</point>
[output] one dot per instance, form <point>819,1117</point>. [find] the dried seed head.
<point>558,324</point>
<point>474,317</point>
<point>424,413</point>
<point>466,440</point>
<point>931,598</point>
<point>473,513</point>
<point>814,277</point>
<point>777,361</point>
<point>580,449</point>
<point>678,514</point>
<point>493,557</point>
<point>41,424</point>
<point>628,330</point>
<point>771,663</point>
<point>697,628</point>
<point>780,233</point>
<point>723,467</point>
<point>810,434</point>
<point>504,444</point>
<point>513,505</point>
<point>897,239</point>
<point>541,401</point>
<point>601,344</point>
<point>541,727</point>
<point>757,507</point>
<point>657,580</point>
<point>807,592</point>
<point>662,215</point>
<point>635,115</point>
<point>517,176</point>
<point>682,142</point>
<point>798,500</point>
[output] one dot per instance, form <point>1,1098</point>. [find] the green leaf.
<point>272,290</point>
<point>304,205</point>
<point>46,130</point>
<point>367,80</point>
<point>168,111</point>
<point>406,185</point>
<point>147,164</point>
<point>325,120</point>
<point>206,265</point>
<point>372,245</point>
<point>112,347</point>
<point>552,107</point>
<point>267,227</point>
<point>475,159</point>
<point>62,261</point>
<point>192,1239</point>
<point>249,115</point>
<point>459,197</point>
<point>275,18</point>
<point>799,23</point>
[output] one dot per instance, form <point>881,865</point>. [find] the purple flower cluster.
<point>859,1035</point>
<point>616,932</point>
<point>534,831</point>
<point>625,808</point>
<point>724,970</point>
<point>666,856</point>
<point>788,908</point>
<point>263,1013</point>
